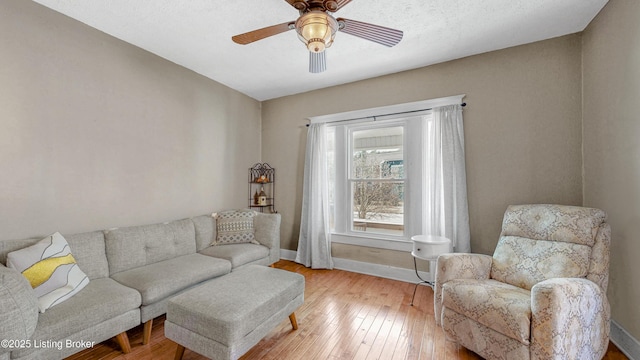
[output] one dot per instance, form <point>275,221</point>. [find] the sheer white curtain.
<point>314,243</point>
<point>446,208</point>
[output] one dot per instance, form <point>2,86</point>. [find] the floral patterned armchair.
<point>543,293</point>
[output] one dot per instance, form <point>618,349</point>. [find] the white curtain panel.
<point>314,243</point>
<point>446,208</point>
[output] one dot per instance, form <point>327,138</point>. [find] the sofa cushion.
<point>162,279</point>
<point>88,250</point>
<point>51,270</point>
<point>101,300</point>
<point>498,306</point>
<point>18,306</point>
<point>267,228</point>
<point>238,254</point>
<point>234,227</point>
<point>136,246</point>
<point>205,226</point>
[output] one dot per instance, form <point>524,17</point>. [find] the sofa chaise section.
<point>159,261</point>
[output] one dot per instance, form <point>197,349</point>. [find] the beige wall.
<point>96,133</point>
<point>522,130</point>
<point>611,67</point>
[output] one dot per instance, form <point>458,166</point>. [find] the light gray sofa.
<point>133,272</point>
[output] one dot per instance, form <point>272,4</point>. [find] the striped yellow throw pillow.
<point>51,269</point>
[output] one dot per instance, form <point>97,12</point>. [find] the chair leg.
<point>179,352</point>
<point>123,341</point>
<point>294,322</point>
<point>146,332</point>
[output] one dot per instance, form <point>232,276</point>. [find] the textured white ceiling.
<point>197,35</point>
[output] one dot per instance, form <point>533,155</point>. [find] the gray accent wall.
<point>96,133</point>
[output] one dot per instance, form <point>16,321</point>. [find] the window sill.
<point>368,241</point>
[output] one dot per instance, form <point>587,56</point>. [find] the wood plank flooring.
<point>345,316</point>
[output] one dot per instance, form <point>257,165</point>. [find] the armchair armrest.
<point>569,319</point>
<point>458,266</point>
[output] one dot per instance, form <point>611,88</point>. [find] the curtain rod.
<point>398,113</point>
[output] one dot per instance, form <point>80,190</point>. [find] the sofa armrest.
<point>458,266</point>
<point>569,318</point>
<point>267,233</point>
<point>18,306</point>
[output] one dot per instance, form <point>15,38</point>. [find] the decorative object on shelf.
<point>262,179</point>
<point>262,198</point>
<point>262,188</point>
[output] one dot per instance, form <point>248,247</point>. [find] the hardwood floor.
<point>345,316</point>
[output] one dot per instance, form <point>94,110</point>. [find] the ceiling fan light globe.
<point>316,29</point>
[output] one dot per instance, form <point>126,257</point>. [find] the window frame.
<point>343,215</point>
<point>413,177</point>
<point>351,180</point>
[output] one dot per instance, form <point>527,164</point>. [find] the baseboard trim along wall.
<point>619,336</point>
<point>629,345</point>
<point>384,271</point>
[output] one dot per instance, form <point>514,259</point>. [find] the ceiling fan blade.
<point>376,33</point>
<point>317,62</point>
<point>255,35</point>
<point>342,3</point>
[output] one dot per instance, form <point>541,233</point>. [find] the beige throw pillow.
<point>234,227</point>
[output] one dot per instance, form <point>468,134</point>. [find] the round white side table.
<point>428,247</point>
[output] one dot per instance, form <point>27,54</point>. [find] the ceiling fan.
<point>316,28</point>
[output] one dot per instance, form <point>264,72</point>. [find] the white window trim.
<point>379,112</point>
<point>407,180</point>
<point>384,113</point>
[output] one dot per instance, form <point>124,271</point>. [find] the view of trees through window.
<point>377,180</point>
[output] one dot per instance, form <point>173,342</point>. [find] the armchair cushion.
<point>574,224</point>
<point>525,262</point>
<point>501,307</point>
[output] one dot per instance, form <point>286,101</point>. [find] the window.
<point>377,179</point>
<point>374,171</point>
<point>380,181</point>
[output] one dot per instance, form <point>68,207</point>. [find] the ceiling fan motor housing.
<point>323,5</point>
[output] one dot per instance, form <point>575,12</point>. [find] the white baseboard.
<point>629,345</point>
<point>286,254</point>
<point>384,271</point>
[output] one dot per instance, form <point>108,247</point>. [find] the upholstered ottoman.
<point>225,317</point>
